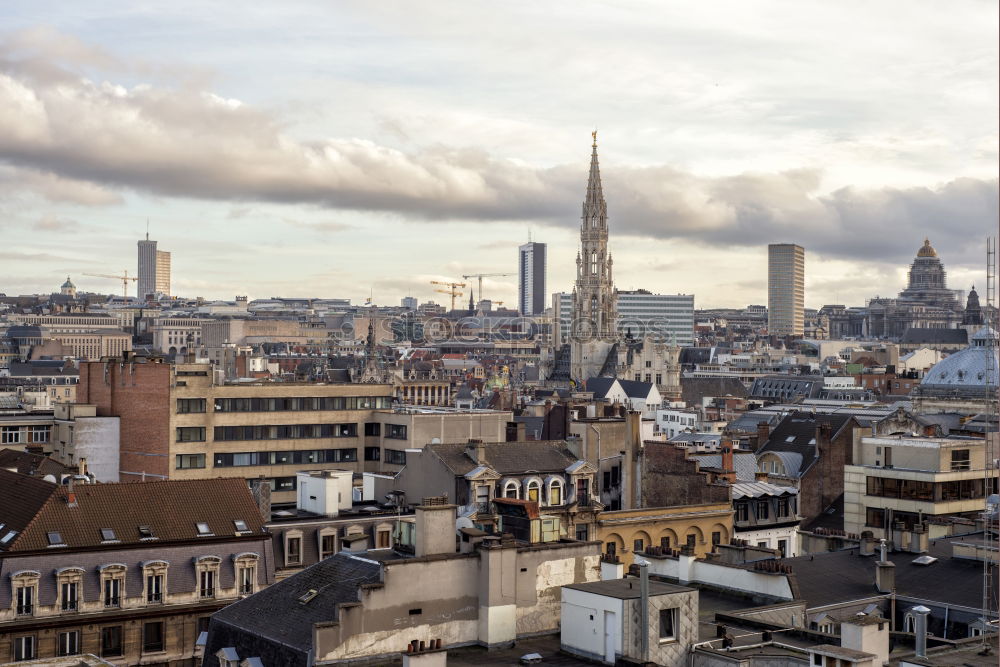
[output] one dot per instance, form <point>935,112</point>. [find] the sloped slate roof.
<point>635,389</point>
<point>745,464</point>
<point>171,509</point>
<point>277,614</point>
<point>21,498</point>
<point>600,386</point>
<point>694,389</point>
<point>30,464</point>
<point>508,457</point>
<point>760,489</point>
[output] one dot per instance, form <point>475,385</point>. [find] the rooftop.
<point>627,588</point>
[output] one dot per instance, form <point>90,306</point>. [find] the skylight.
<point>241,525</point>
<point>8,537</point>
<point>55,538</point>
<point>203,528</point>
<point>145,532</point>
<point>108,535</point>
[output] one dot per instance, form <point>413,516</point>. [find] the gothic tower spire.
<point>595,312</point>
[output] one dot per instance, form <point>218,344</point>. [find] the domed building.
<point>68,288</point>
<point>963,382</point>
<point>927,281</point>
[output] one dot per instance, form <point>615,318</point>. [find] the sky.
<point>356,149</point>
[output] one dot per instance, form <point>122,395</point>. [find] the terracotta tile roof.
<point>21,497</point>
<point>172,510</point>
<point>30,464</point>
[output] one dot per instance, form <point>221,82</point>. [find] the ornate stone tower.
<point>594,329</point>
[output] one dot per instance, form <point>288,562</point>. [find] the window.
<point>186,461</point>
<point>665,542</point>
<point>69,595</point>
<point>111,641</point>
<point>203,529</point>
<point>152,637</point>
<point>716,537</point>
<point>24,598</point>
<point>395,431</point>
<point>583,532</point>
<point>327,545</point>
<point>245,577</point>
<point>637,545</point>
<point>511,489</point>
<point>154,588</point>
<point>373,453</point>
<point>146,533</point>
<point>395,457</point>
<point>10,435</point>
<point>875,517</point>
<point>24,647</point>
<point>691,540</point>
<point>555,492</point>
<point>668,622</point>
<point>108,535</point>
<point>190,405</point>
<point>55,539</point>
<point>742,512</point>
<point>960,459</point>
<point>68,643</point>
<point>40,434</point>
<point>206,583</point>
<point>817,659</point>
<point>783,506</point>
<point>763,509</point>
<point>382,539</point>
<point>533,489</point>
<point>293,551</point>
<point>112,591</point>
<point>190,434</point>
<point>373,428</point>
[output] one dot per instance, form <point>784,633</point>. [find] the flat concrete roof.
<point>628,588</point>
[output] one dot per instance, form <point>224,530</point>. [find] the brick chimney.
<point>763,433</point>
<point>823,433</point>
<point>728,466</point>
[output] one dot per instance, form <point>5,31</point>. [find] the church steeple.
<point>595,210</point>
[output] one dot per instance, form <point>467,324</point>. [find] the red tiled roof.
<point>171,510</point>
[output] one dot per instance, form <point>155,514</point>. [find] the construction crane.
<point>454,290</point>
<point>480,276</point>
<point>124,277</point>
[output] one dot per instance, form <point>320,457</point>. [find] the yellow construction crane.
<point>480,276</point>
<point>124,277</point>
<point>452,291</point>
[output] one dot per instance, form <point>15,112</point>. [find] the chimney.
<point>435,529</point>
<point>760,476</point>
<point>868,634</point>
<point>476,450</point>
<point>82,466</point>
<point>728,466</point>
<point>885,572</point>
<point>920,629</point>
<point>918,539</point>
<point>70,494</point>
<point>763,433</point>
<point>866,545</point>
<point>823,433</point>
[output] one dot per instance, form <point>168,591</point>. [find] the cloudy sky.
<point>352,148</point>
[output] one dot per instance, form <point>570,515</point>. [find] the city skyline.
<point>321,171</point>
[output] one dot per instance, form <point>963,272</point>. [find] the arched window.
<point>593,263</point>
<point>555,492</point>
<point>533,489</point>
<point>245,565</point>
<point>511,489</point>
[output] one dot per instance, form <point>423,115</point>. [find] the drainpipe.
<point>920,629</point>
<point>644,606</point>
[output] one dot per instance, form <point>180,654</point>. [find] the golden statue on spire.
<point>594,135</point>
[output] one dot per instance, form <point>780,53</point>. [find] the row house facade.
<point>128,572</point>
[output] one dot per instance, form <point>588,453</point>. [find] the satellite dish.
<point>463,522</point>
<point>50,478</point>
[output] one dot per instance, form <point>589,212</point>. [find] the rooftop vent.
<point>924,560</point>
<point>308,595</point>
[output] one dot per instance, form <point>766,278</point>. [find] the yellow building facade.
<point>625,532</point>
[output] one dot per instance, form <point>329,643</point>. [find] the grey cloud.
<point>53,224</point>
<point>184,142</point>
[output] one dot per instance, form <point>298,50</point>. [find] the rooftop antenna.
<point>147,229</point>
